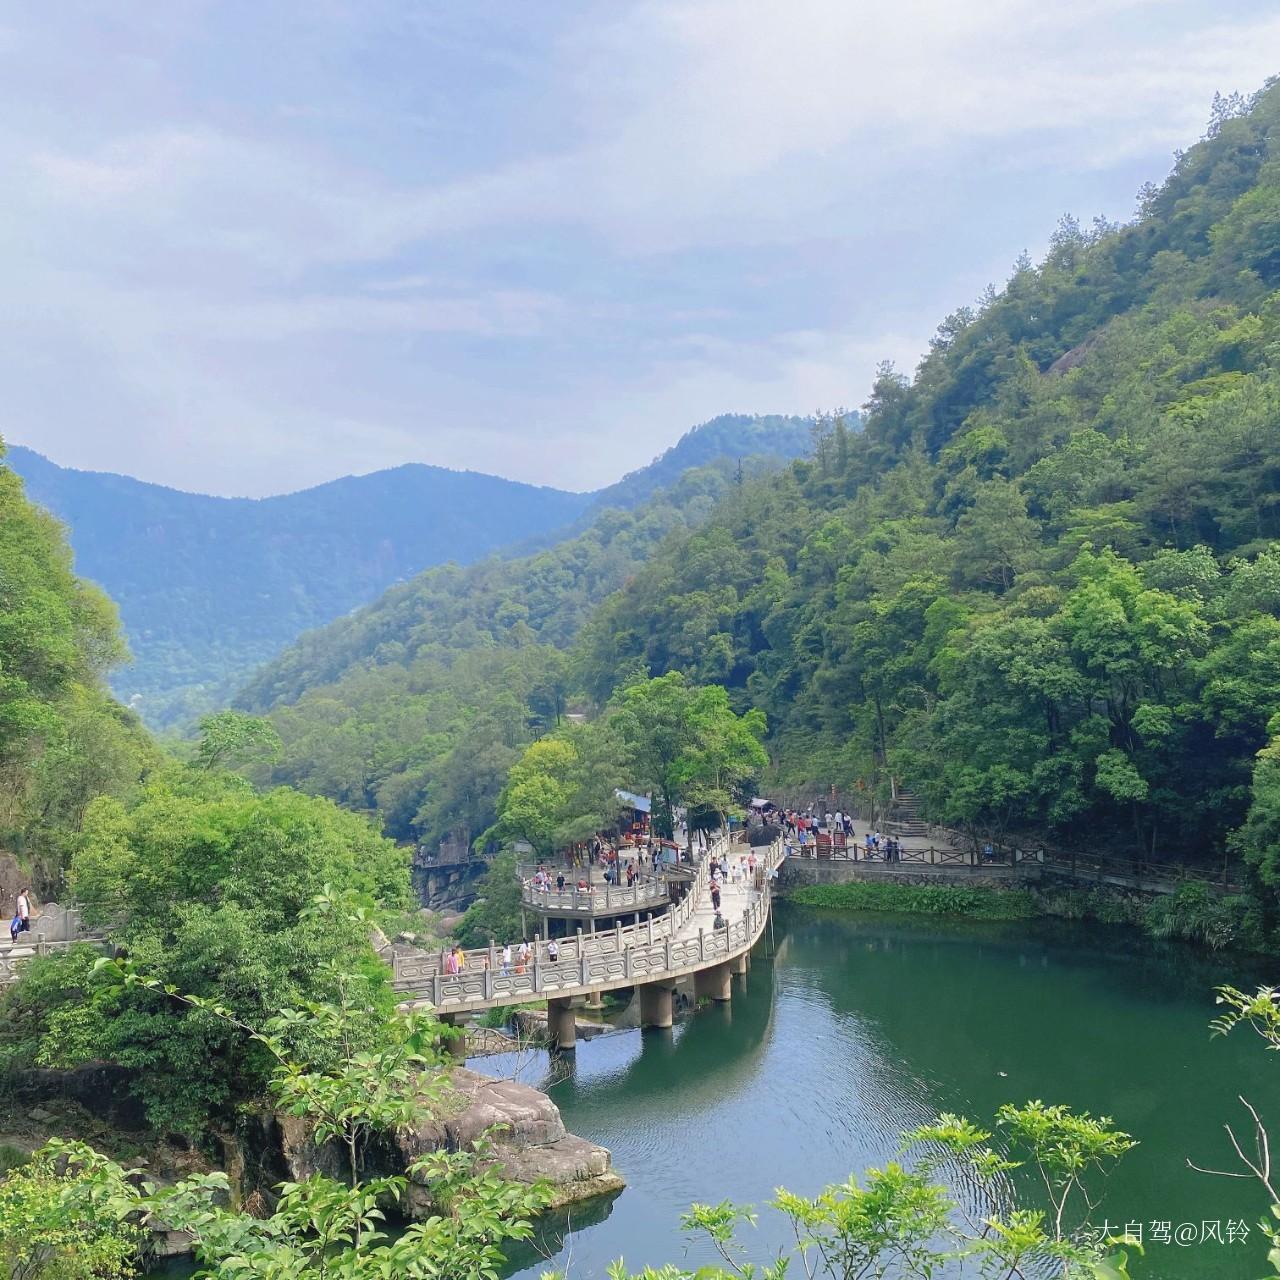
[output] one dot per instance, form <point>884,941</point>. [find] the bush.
<point>925,899</point>
<point>1194,913</point>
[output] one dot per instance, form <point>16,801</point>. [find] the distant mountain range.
<point>209,588</point>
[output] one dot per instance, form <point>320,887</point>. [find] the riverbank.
<point>1194,913</point>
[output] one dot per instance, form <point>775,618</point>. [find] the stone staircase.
<point>906,815</point>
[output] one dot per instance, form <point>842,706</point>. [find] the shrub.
<point>925,899</point>
<point>1194,913</point>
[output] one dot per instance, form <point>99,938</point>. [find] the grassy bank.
<point>925,899</point>
<point>1195,913</point>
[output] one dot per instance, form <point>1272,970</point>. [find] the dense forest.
<point>63,740</point>
<point>208,588</point>
<point>1040,584</point>
<point>418,705</point>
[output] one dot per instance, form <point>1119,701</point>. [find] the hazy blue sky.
<point>252,246</point>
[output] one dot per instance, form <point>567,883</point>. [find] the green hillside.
<point>1041,585</point>
<point>210,587</point>
<point>417,705</point>
<point>63,741</point>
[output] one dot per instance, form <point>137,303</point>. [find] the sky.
<point>252,247</point>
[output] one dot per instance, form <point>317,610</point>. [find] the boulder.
<point>531,1144</point>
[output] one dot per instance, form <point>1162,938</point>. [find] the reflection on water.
<point>861,1027</point>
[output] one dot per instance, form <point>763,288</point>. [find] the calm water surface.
<point>862,1026</point>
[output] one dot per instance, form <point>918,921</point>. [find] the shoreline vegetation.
<point>1193,914</point>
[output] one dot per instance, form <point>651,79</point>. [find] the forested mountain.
<point>1042,584</point>
<point>727,438</point>
<point>418,704</point>
<point>210,587</point>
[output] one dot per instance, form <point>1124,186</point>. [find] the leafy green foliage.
<point>562,789</point>
<point>1194,913</point>
<point>686,744</point>
<point>68,1214</point>
<point>231,739</point>
<point>72,1215</point>
<point>256,902</point>
<point>321,1227</point>
<point>62,740</point>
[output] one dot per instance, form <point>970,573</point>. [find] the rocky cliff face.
<point>531,1144</point>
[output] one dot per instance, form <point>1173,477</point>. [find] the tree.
<point>725,753</point>
<point>257,902</point>
<point>1258,839</point>
<point>233,739</point>
<point>687,743</point>
<point>62,739</point>
<point>321,1228</point>
<point>68,1213</point>
<point>997,537</point>
<point>563,789</point>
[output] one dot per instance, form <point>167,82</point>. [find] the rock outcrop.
<point>530,1144</point>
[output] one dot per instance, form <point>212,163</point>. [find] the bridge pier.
<point>739,965</point>
<point>656,1004</point>
<point>714,982</point>
<point>561,1027</point>
<point>456,1046</point>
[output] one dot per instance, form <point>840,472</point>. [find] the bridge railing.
<point>1094,868</point>
<point>601,899</point>
<point>632,952</point>
<point>423,965</point>
<point>14,955</point>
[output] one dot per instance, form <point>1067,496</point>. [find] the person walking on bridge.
<point>715,894</point>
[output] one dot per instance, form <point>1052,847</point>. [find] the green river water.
<point>861,1026</point>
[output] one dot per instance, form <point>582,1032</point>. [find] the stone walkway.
<point>682,941</point>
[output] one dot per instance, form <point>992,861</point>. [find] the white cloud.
<point>734,204</point>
